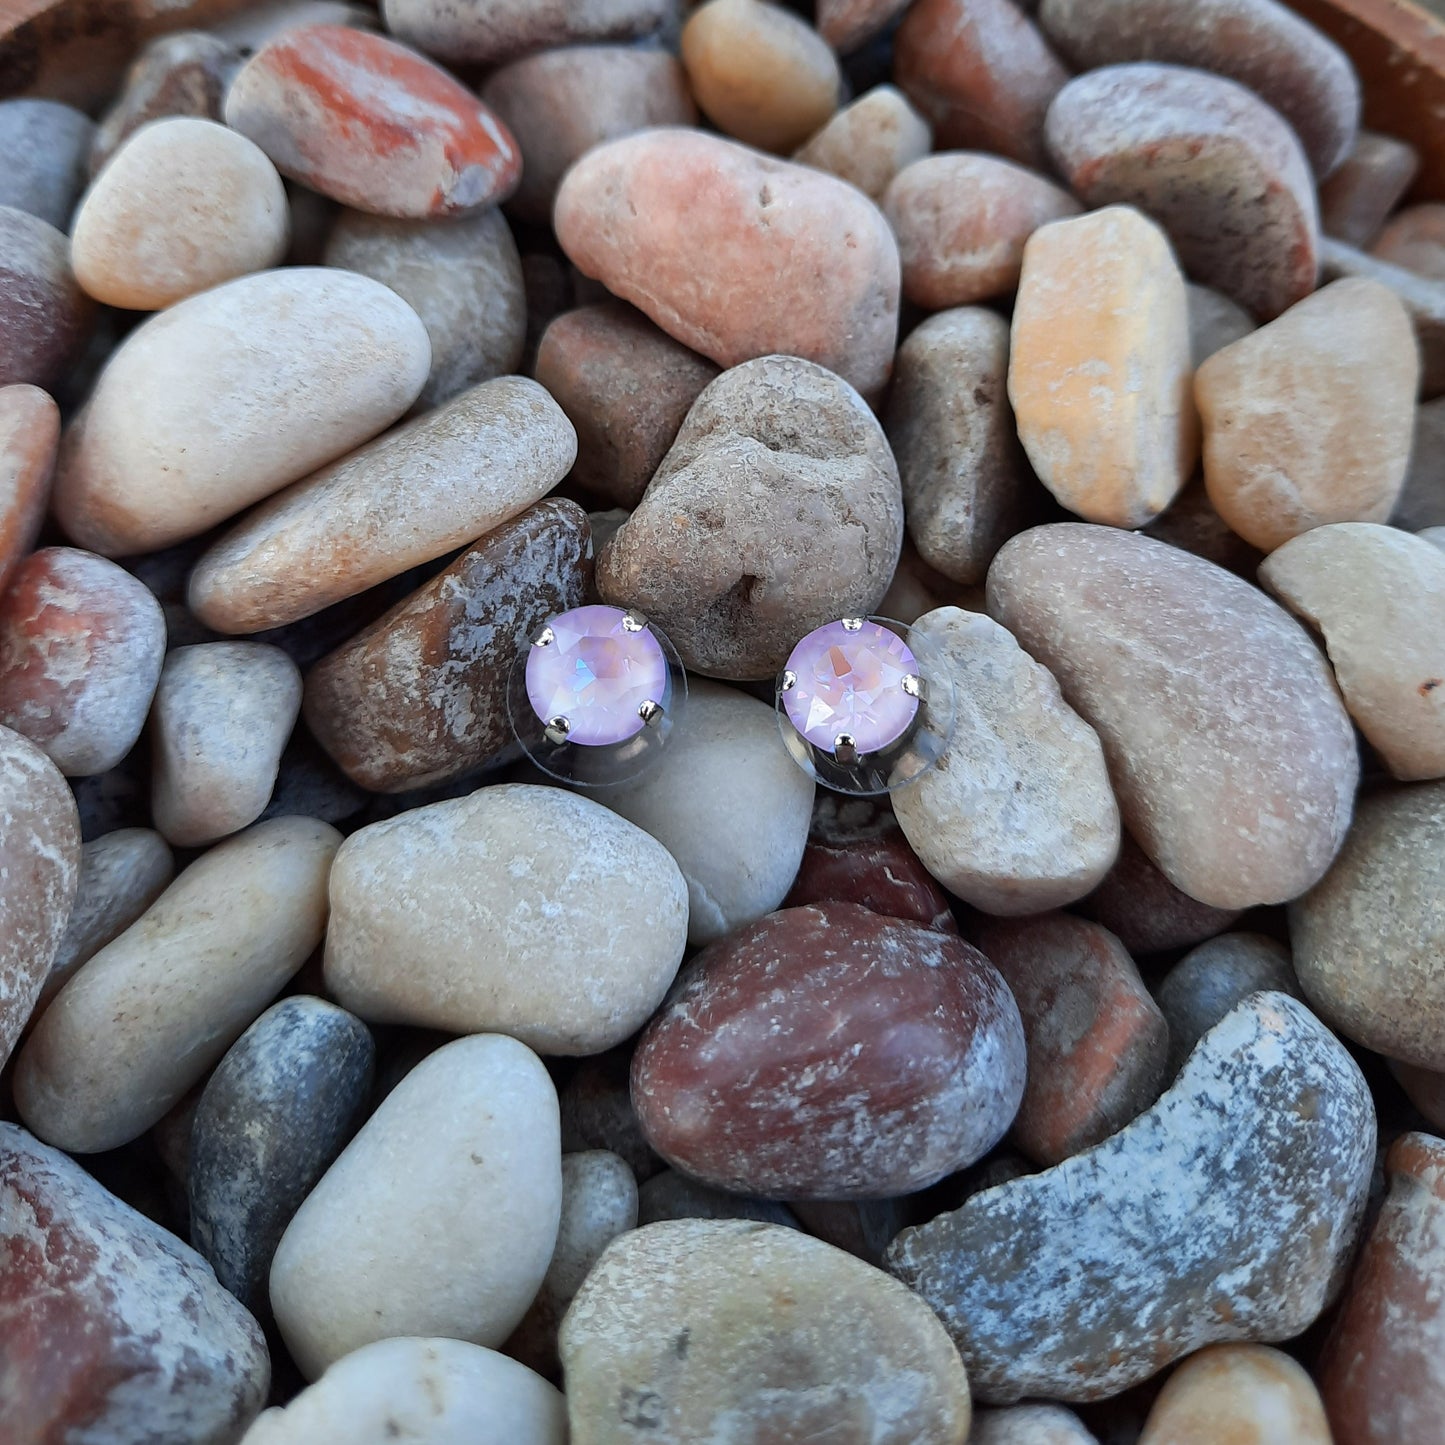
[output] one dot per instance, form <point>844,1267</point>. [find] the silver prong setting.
<point>544,637</point>
<point>790,680</point>
<point>913,686</point>
<point>845,749</point>
<point>650,712</point>
<point>852,624</point>
<point>557,729</point>
<point>633,621</point>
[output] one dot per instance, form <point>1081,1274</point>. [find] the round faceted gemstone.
<point>853,679</point>
<point>598,671</point>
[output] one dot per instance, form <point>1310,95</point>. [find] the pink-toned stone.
<point>1380,1372</point>
<point>848,24</point>
<point>850,683</point>
<point>962,220</point>
<point>1146,912</point>
<point>1211,162</point>
<point>1264,46</point>
<point>114,1330</point>
<point>819,1006</point>
<point>981,73</point>
<point>868,142</point>
<point>735,254</point>
<point>1415,239</point>
<point>44,315</point>
<point>81,646</point>
<point>626,387</point>
<point>1190,675</point>
<point>39,875</point>
<point>29,437</point>
<point>372,124</point>
<point>1367,186</point>
<point>1096,1040</point>
<point>561,103</point>
<point>1308,420</point>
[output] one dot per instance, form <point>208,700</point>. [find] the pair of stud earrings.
<point>864,704</point>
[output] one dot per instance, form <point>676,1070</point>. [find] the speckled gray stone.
<point>1225,1212</point>
<point>277,1110</point>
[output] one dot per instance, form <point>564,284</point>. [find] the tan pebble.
<point>29,437</point>
<point>1030,1425</point>
<point>182,206</point>
<point>1099,368</point>
<point>1245,1394</point>
<point>760,74</point>
<point>1308,420</point>
<point>962,221</point>
<point>868,142</point>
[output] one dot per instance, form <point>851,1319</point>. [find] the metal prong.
<point>557,729</point>
<point>633,621</point>
<point>650,712</point>
<point>852,624</point>
<point>790,680</point>
<point>913,685</point>
<point>545,638</point>
<point>845,749</point>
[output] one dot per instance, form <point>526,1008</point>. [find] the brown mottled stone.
<point>697,1329</point>
<point>1225,1212</point>
<point>809,1099</point>
<point>1096,1040</point>
<point>1264,46</point>
<point>420,696</point>
<point>182,74</point>
<point>870,141</point>
<point>39,874</point>
<point>981,73</point>
<point>114,1330</point>
<point>29,436</point>
<point>44,315</point>
<point>1190,675</point>
<point>1367,186</point>
<point>1211,162</point>
<point>796,261</point>
<point>626,387</point>
<point>848,24</point>
<point>81,647</point>
<point>1380,1373</point>
<point>561,103</point>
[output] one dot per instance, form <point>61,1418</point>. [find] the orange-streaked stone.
<point>29,436</point>
<point>372,124</point>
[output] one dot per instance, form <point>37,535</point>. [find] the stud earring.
<point>595,695</point>
<point>864,705</point>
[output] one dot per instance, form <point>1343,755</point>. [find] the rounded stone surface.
<point>730,807</point>
<point>433,1391</point>
<point>524,910</point>
<point>182,206</point>
<point>1367,186</point>
<point>798,262</point>
<point>870,141</point>
<point>46,144</point>
<point>44,315</point>
<point>372,124</point>
<point>808,1099</point>
<point>492,32</point>
<point>1030,1425</point>
<point>29,437</point>
<point>1189,675</point>
<point>440,1217</point>
<point>185,979</point>
<point>81,648</point>
<point>695,1327</point>
<point>855,679</point>
<point>309,363</point>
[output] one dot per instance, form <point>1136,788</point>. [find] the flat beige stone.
<point>868,142</point>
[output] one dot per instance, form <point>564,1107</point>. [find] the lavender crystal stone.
<point>850,683</point>
<point>597,673</point>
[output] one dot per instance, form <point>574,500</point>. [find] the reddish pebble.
<point>81,646</point>
<point>829,1053</point>
<point>1211,162</point>
<point>29,436</point>
<point>372,125</point>
<point>1097,1043</point>
<point>962,220</point>
<point>1415,239</point>
<point>1355,201</point>
<point>1382,1372</point>
<point>847,24</point>
<point>981,74</point>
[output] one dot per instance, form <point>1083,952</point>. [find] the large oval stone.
<point>311,362</point>
<point>409,497</point>
<point>39,875</point>
<point>1226,1212</point>
<point>1193,679</point>
<point>1368,940</point>
<point>1219,169</point>
<point>492,32</point>
<point>152,1011</point>
<point>776,1066</point>
<point>520,909</point>
<point>114,1330</point>
<point>438,1218</point>
<point>693,1329</point>
<point>736,254</point>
